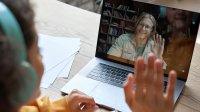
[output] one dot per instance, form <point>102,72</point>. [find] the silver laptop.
<point>103,77</point>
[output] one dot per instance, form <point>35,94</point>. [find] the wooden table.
<point>59,19</point>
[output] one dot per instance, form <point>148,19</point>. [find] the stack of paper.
<point>58,55</point>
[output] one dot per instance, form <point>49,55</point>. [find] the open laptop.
<point>103,77</point>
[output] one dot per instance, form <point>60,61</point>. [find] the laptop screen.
<point>129,29</point>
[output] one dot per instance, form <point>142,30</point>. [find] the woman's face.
<point>36,61</point>
<point>144,28</point>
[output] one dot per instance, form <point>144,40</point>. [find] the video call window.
<point>130,29</point>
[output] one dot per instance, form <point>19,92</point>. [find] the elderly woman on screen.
<point>143,42</point>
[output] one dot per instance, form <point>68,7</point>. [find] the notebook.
<point>117,49</point>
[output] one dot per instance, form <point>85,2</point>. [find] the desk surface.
<point>59,19</point>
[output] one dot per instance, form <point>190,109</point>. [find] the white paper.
<point>58,55</point>
<point>44,85</point>
<point>62,68</point>
<point>55,49</point>
<point>65,72</point>
<point>51,75</point>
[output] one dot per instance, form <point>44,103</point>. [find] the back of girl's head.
<point>9,70</point>
<point>24,14</point>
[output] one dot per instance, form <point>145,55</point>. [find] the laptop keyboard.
<point>109,74</point>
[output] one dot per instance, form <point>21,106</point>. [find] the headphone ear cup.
<point>28,84</point>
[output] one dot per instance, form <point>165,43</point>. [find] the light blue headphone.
<point>28,78</point>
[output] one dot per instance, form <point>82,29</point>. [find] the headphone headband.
<point>12,30</point>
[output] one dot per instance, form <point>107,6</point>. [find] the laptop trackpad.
<point>111,96</point>
<point>81,83</point>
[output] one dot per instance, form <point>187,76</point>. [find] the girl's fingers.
<point>159,88</point>
<point>77,97</point>
<point>149,77</point>
<point>139,74</point>
<point>171,86</point>
<point>128,89</point>
<point>89,109</point>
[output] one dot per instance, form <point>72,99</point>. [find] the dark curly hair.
<point>9,71</point>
